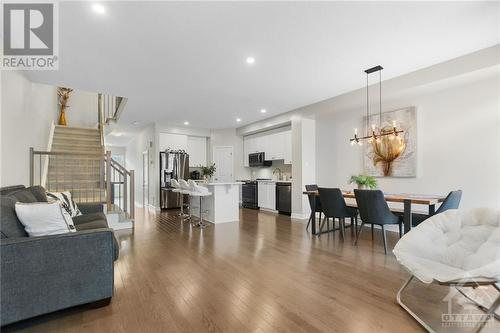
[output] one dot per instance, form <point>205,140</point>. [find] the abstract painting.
<point>392,156</point>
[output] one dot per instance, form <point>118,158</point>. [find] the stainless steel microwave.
<point>258,159</point>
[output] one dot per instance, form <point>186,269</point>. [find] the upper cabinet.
<point>197,150</point>
<point>276,144</point>
<point>195,146</point>
<point>173,141</point>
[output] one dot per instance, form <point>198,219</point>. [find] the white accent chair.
<point>454,249</point>
<point>199,191</point>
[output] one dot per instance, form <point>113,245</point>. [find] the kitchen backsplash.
<point>267,172</point>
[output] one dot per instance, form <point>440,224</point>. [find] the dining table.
<point>408,200</point>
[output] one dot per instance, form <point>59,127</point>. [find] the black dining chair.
<point>452,201</point>
<point>313,187</point>
<point>373,209</point>
<point>334,207</point>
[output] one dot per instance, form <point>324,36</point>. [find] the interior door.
<point>223,159</point>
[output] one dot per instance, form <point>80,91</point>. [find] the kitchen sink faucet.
<point>279,173</point>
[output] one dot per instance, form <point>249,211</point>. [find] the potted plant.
<point>208,171</point>
<point>364,182</point>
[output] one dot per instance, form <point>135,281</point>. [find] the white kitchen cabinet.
<point>266,192</point>
<point>248,148</point>
<point>173,141</point>
<point>197,150</point>
<point>276,146</point>
<point>262,195</point>
<point>271,195</point>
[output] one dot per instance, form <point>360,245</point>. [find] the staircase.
<point>77,163</point>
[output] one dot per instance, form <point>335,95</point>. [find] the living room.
<point>250,166</point>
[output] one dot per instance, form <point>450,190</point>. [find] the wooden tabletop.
<point>419,199</point>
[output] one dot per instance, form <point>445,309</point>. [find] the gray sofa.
<point>49,273</point>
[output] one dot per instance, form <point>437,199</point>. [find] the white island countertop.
<point>222,205</point>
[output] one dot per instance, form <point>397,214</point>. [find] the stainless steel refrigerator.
<point>174,164</point>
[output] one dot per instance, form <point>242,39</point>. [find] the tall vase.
<point>362,187</point>
<point>62,118</point>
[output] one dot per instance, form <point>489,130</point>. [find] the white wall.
<point>228,137</point>
<point>27,112</point>
<point>134,150</point>
<point>458,123</point>
<point>82,111</point>
<point>118,150</point>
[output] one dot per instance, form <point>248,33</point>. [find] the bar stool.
<point>182,190</point>
<point>199,191</point>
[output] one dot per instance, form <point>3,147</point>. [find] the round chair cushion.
<point>453,245</point>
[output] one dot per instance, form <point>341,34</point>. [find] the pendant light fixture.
<point>375,134</point>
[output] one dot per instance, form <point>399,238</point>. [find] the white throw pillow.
<point>43,219</point>
<point>64,198</point>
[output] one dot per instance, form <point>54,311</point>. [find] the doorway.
<point>145,179</point>
<point>223,159</point>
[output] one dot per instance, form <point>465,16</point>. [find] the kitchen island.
<point>220,207</point>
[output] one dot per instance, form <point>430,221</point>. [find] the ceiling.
<point>181,62</point>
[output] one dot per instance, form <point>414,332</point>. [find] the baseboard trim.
<point>298,216</point>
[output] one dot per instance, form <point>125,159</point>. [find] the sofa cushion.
<point>24,196</point>
<point>89,225</point>
<point>39,193</point>
<point>91,217</point>
<point>10,226</point>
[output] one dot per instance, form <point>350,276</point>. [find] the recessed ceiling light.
<point>117,134</point>
<point>250,60</point>
<point>135,123</point>
<point>238,120</point>
<point>98,8</point>
<point>186,123</point>
<point>263,110</point>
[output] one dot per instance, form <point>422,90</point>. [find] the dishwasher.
<point>284,198</point>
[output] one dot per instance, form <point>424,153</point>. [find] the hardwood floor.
<point>265,274</point>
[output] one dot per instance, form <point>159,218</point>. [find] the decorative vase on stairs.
<point>63,95</point>
<point>62,117</point>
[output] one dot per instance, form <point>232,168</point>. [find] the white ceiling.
<point>186,61</point>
